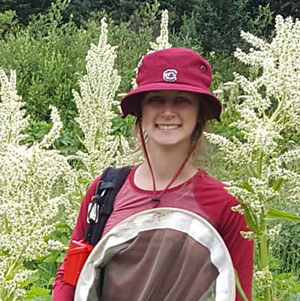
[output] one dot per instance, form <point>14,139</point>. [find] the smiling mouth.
<point>167,126</point>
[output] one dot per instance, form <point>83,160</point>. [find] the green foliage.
<point>39,287</point>
<point>132,46</point>
<point>211,19</point>
<point>38,294</point>
<point>287,287</point>
<point>122,11</point>
<point>145,15</point>
<point>286,248</point>
<point>263,22</point>
<point>284,8</point>
<point>215,25</point>
<point>25,8</point>
<point>48,56</point>
<point>8,22</point>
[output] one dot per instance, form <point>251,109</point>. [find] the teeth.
<point>168,127</point>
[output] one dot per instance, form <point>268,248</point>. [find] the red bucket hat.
<point>178,69</point>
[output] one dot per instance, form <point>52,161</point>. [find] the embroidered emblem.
<point>170,75</point>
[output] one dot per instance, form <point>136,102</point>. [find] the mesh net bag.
<point>162,254</point>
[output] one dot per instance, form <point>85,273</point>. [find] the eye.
<point>181,100</point>
<point>155,100</point>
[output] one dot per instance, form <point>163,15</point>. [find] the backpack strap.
<point>101,205</point>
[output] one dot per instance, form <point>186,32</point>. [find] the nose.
<point>168,109</point>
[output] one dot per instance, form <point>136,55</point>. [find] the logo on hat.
<point>170,75</point>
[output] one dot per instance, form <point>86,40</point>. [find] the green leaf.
<point>37,291</point>
<point>274,214</point>
<point>53,257</point>
<point>30,280</point>
<point>247,186</point>
<point>277,185</point>
<point>83,181</point>
<point>251,222</point>
<point>254,171</point>
<point>239,286</point>
<point>3,253</point>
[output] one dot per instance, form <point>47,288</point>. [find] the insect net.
<point>162,254</point>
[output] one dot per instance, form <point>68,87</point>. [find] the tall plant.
<point>35,185</point>
<point>95,104</point>
<point>266,146</point>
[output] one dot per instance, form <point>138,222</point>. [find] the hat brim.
<point>130,102</point>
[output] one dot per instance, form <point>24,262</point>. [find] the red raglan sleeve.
<point>61,290</point>
<point>240,249</point>
<point>217,204</point>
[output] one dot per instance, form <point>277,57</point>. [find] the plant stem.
<point>264,258</point>
<point>279,108</point>
<point>15,263</point>
<point>259,163</point>
<point>239,287</point>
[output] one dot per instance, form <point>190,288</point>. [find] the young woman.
<point>172,104</point>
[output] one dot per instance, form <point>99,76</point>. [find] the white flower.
<point>230,84</point>
<point>162,41</point>
<point>264,152</point>
<point>35,185</point>
<point>55,130</point>
<point>95,107</point>
<point>12,116</point>
<point>248,235</point>
<point>218,91</point>
<point>274,232</point>
<point>263,278</point>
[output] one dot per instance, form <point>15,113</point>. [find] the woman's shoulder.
<point>206,184</point>
<point>206,180</point>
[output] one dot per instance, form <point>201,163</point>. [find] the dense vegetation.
<point>46,43</point>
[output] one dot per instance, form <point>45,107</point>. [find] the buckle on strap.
<point>97,206</point>
<point>93,212</point>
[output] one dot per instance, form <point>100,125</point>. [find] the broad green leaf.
<point>37,292</point>
<point>274,214</point>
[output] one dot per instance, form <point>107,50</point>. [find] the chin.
<point>170,143</point>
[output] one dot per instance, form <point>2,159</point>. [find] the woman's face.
<point>169,117</point>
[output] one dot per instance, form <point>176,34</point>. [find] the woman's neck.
<point>165,163</point>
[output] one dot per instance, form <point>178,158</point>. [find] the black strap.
<point>101,206</point>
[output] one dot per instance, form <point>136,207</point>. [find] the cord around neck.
<point>155,196</point>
